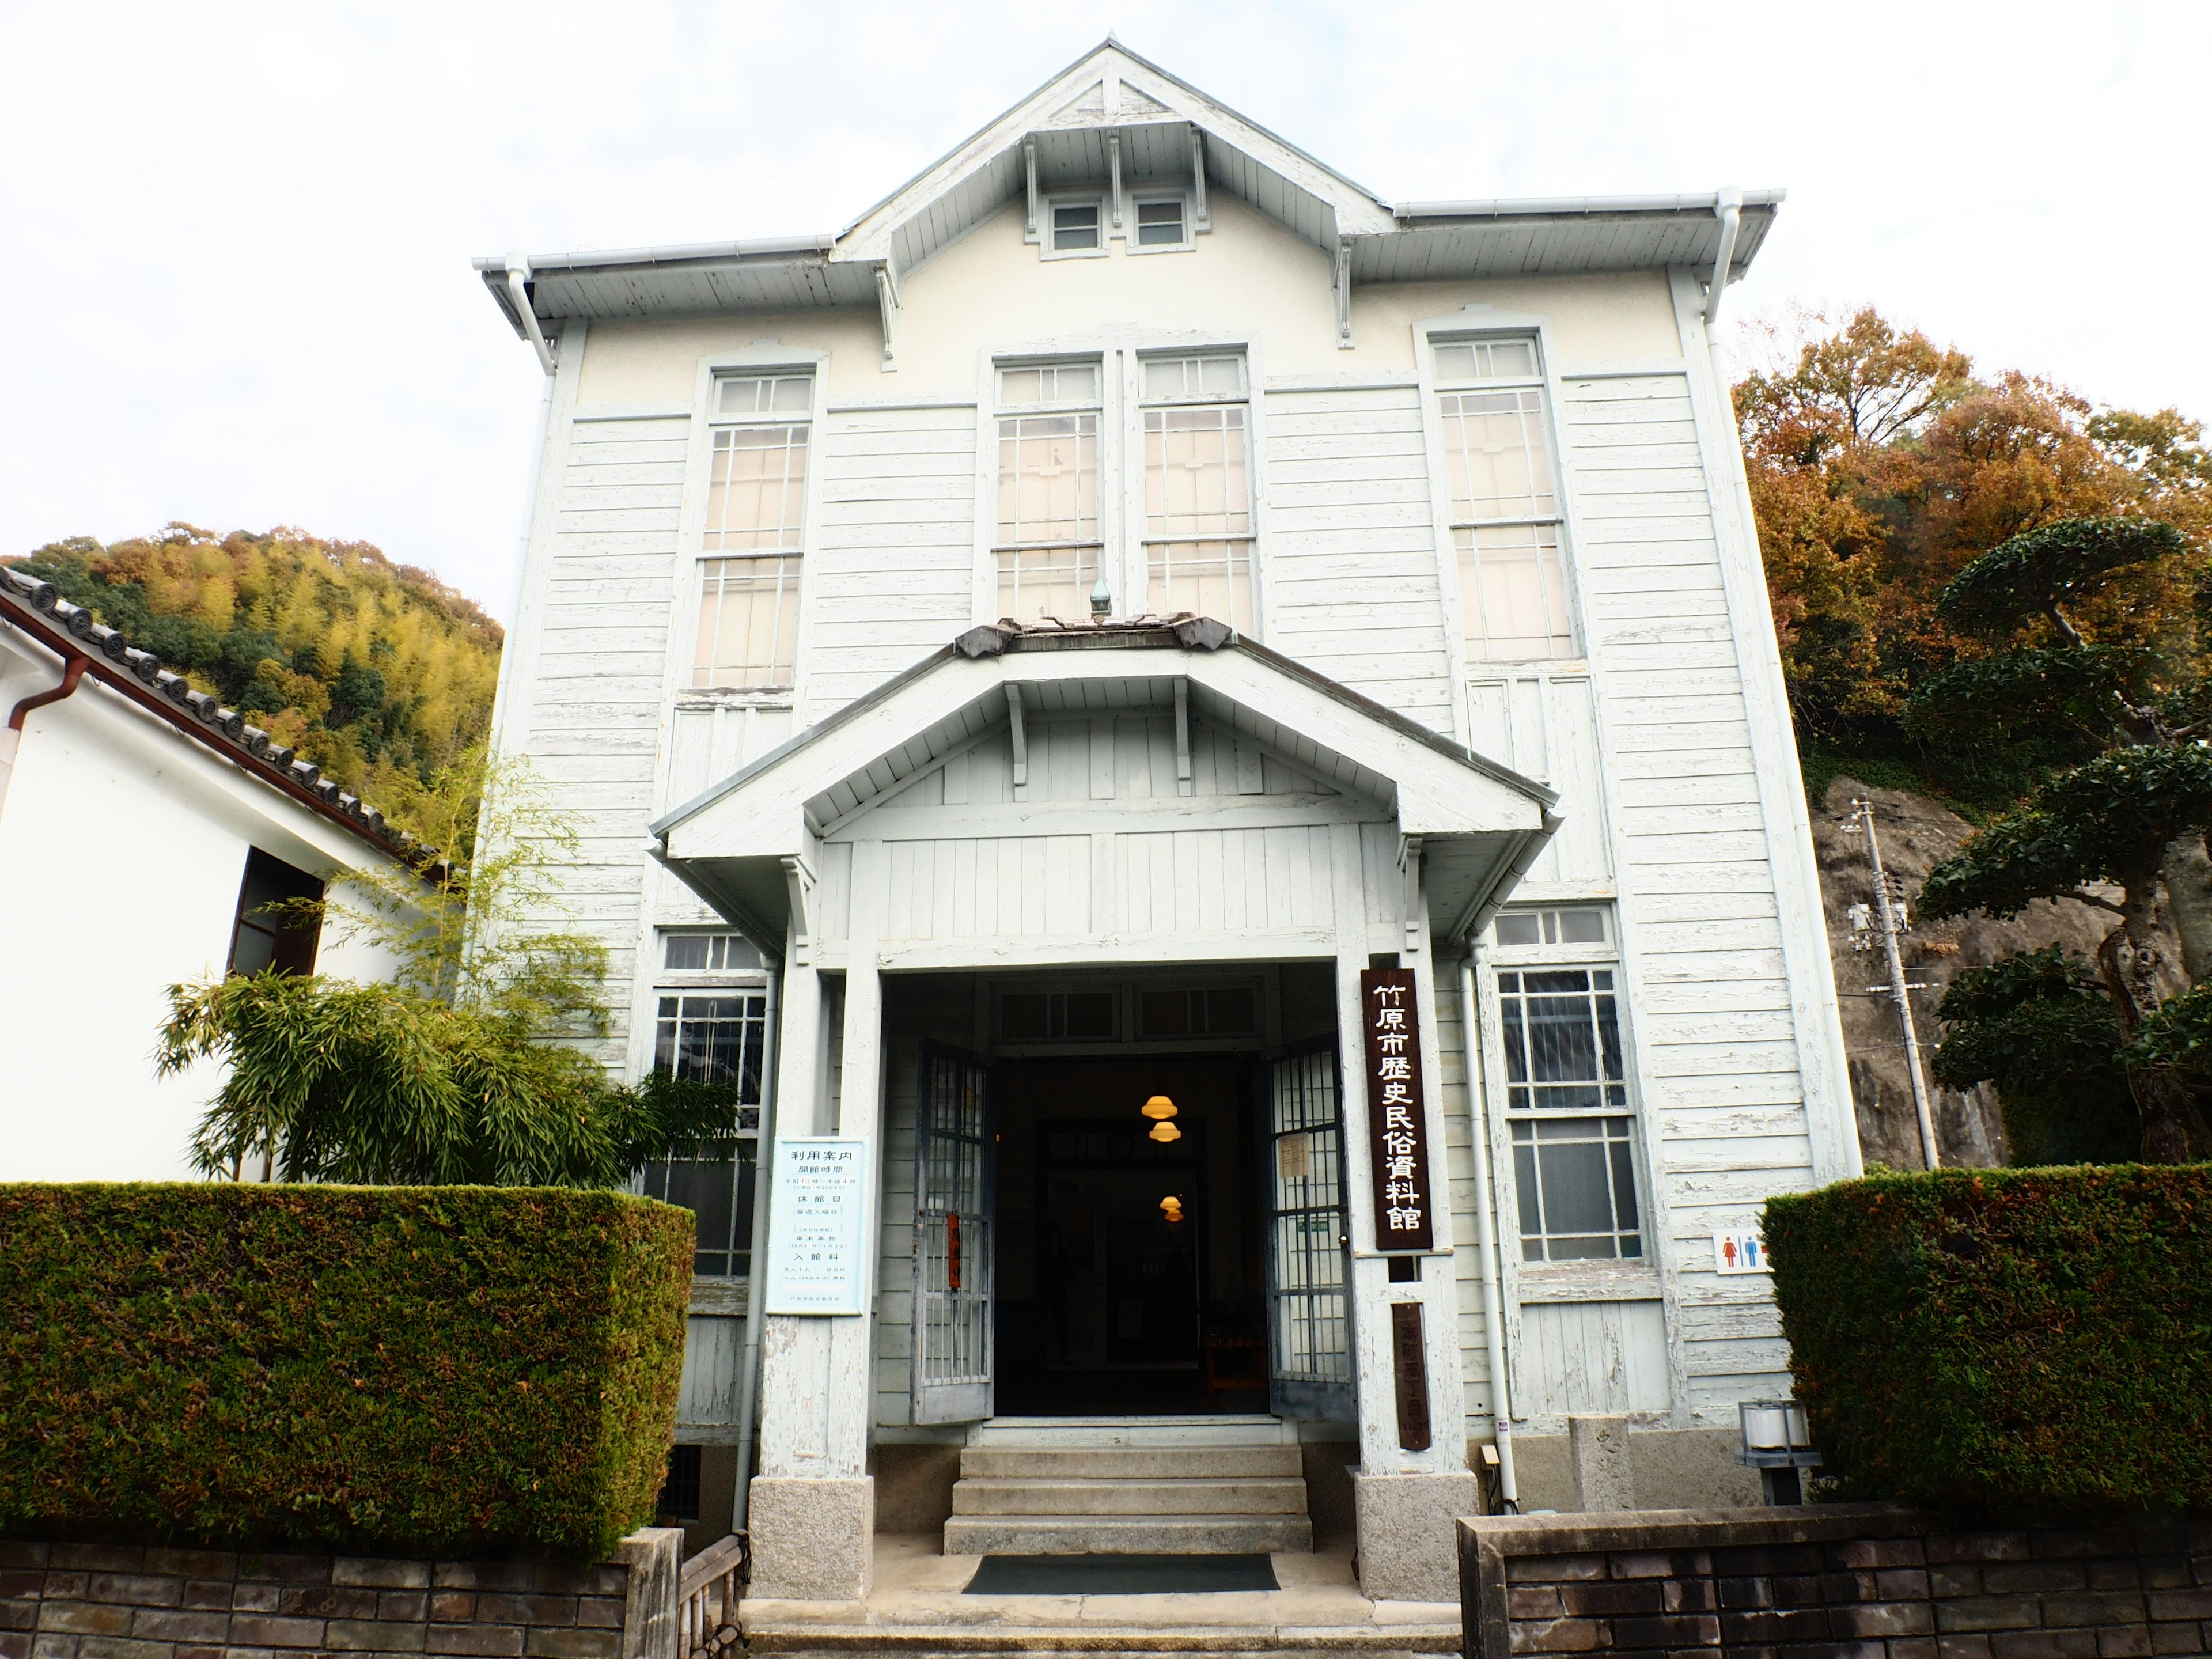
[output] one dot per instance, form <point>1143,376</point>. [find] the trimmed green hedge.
<point>466,1370</point>
<point>2030,1339</point>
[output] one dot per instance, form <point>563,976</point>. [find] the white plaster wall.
<point>122,845</point>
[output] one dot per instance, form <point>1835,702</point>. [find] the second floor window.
<point>755,528</point>
<point>1505,505</point>
<point>1049,539</point>
<point>1198,487</point>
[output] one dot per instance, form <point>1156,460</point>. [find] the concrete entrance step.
<point>1096,1432</point>
<point>1126,1496</point>
<point>1020,1462</point>
<point>1211,1534</point>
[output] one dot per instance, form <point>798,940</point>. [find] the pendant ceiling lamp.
<point>1159,1107</point>
<point>1164,1132</point>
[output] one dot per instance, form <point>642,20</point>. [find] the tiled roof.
<point>38,608</point>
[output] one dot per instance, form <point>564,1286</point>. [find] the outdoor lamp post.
<point>1777,1442</point>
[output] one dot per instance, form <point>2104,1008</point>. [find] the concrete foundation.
<point>1408,1543</point>
<point>812,1539</point>
<point>1668,1468</point>
<point>914,1483</point>
<point>1598,1448</point>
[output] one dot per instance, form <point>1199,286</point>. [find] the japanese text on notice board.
<point>817,1217</point>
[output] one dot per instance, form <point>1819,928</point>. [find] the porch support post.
<point>813,1503</point>
<point>1405,1500</point>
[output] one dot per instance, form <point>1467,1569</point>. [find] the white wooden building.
<point>143,830</point>
<point>1032,652</point>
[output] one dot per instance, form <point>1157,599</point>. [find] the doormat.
<point>1120,1574</point>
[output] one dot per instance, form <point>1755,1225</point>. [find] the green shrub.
<point>2027,1340</point>
<point>465,1370</point>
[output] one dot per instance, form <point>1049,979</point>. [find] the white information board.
<point>818,1225</point>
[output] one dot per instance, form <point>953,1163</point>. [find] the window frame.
<point>1187,243</point>
<point>658,980</point>
<point>1143,540</point>
<point>1479,324</point>
<point>1613,1275</point>
<point>711,369</point>
<point>1052,202</point>
<point>993,412</point>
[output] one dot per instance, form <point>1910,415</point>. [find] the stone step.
<point>1130,1496</point>
<point>965,1642</point>
<point>1008,1462</point>
<point>1082,1432</point>
<point>1126,1535</point>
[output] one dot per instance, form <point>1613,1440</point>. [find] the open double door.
<point>956,1178</point>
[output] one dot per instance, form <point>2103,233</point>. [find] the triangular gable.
<point>1110,87</point>
<point>740,843</point>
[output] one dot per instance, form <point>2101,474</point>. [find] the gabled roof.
<point>1480,823</point>
<point>36,610</point>
<point>1111,98</point>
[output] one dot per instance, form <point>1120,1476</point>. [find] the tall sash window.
<point>756,529</point>
<point>1049,538</point>
<point>1504,504</point>
<point>1198,487</point>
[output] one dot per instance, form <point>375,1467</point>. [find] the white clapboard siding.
<point>595,694</point>
<point>1542,722</point>
<point>1712,1022</point>
<point>1352,545</point>
<point>965,860</point>
<point>708,743</point>
<point>890,576</point>
<point>1459,1175</point>
<point>1599,1357</point>
<point>706,1398</point>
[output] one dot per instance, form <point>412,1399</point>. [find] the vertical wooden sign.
<point>1397,1127</point>
<point>1409,1369</point>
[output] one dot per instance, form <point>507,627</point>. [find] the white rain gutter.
<point>1729,204</point>
<point>756,1261</point>
<point>518,277</point>
<point>1485,1222</point>
<point>1569,207</point>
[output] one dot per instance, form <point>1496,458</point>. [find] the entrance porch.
<point>1042,884</point>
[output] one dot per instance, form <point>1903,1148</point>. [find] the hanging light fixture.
<point>1159,1107</point>
<point>1171,1207</point>
<point>1164,1132</point>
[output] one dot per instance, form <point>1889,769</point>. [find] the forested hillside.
<point>2056,695</point>
<point>378,671</point>
<point>1880,463</point>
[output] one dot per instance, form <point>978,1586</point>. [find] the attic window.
<point>267,935</point>
<point>1161,224</point>
<point>1075,226</point>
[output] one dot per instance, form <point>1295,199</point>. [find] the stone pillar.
<point>812,1505</point>
<point>1404,1501</point>
<point>1598,1448</point>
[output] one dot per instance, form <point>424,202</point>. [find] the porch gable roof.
<point>1480,823</point>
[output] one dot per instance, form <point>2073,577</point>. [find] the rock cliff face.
<point>1916,835</point>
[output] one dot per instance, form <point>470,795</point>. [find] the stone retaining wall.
<point>125,1601</point>
<point>1864,1580</point>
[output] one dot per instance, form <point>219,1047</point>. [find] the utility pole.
<point>1890,923</point>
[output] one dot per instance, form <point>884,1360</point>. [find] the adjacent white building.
<point>1068,645</point>
<point>143,828</point>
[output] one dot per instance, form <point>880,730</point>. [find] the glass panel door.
<point>953,1189</point>
<point>1307,1270</point>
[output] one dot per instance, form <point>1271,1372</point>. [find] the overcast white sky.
<point>234,238</point>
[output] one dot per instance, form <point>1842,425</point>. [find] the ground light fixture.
<point>1778,1442</point>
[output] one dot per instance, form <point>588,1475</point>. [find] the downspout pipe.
<point>1485,1222</point>
<point>756,1263</point>
<point>1729,205</point>
<point>74,666</point>
<point>518,279</point>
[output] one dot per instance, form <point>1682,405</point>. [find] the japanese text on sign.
<point>817,1226</point>
<point>1398,1140</point>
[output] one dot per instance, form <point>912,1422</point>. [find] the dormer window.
<point>1161,223</point>
<point>1077,227</point>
